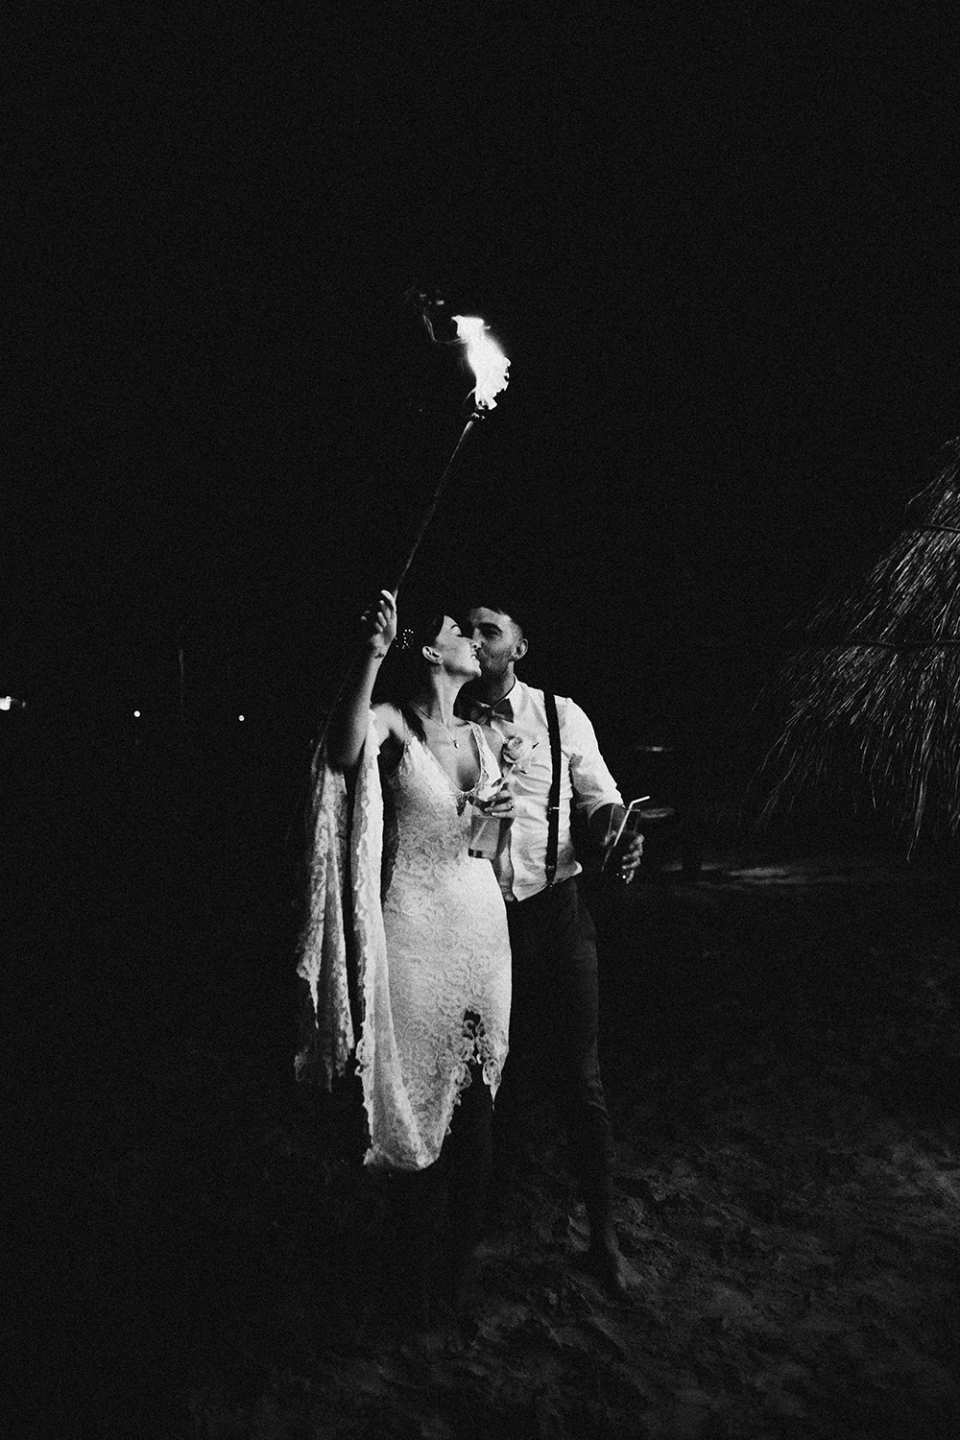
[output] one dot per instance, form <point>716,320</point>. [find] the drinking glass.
<point>624,823</point>
<point>484,832</point>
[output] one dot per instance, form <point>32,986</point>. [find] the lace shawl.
<point>326,1025</point>
<point>347,849</point>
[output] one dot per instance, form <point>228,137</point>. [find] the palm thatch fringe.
<point>875,693</point>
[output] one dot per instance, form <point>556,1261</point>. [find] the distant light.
<point>5,702</point>
<point>239,717</point>
<point>136,714</point>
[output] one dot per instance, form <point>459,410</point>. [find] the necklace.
<point>455,742</point>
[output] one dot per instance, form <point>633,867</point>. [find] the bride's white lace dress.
<point>428,929</point>
<point>447,997</point>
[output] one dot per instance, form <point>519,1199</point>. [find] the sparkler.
<point>485,358</point>
<point>489,366</point>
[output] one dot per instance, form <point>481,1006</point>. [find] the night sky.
<point>718,243</point>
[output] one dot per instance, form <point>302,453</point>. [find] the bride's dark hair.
<point>405,667</point>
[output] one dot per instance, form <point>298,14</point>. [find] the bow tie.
<point>486,714</point>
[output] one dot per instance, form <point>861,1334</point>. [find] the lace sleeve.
<point>326,1029</point>
<point>344,852</point>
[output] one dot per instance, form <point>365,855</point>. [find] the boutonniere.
<point>516,754</point>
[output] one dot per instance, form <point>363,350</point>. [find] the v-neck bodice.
<point>478,740</point>
<point>421,784</point>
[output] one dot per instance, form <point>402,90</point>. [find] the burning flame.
<point>487,360</point>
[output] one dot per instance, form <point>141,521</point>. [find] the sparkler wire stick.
<point>427,517</point>
<point>431,508</point>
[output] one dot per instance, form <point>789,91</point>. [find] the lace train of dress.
<point>442,999</point>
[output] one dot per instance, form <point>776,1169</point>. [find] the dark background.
<point>718,243</point>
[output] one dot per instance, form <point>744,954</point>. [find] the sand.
<point>205,1255</point>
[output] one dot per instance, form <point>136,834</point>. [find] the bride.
<point>436,1010</point>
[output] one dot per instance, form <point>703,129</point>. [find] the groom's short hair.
<point>503,605</point>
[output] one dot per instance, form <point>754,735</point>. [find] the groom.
<point>553,1025</point>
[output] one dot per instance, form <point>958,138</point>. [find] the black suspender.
<point>553,800</point>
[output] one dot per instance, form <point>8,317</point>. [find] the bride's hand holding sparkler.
<point>380,623</point>
<point>350,718</point>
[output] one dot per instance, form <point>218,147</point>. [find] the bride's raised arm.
<point>349,722</point>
